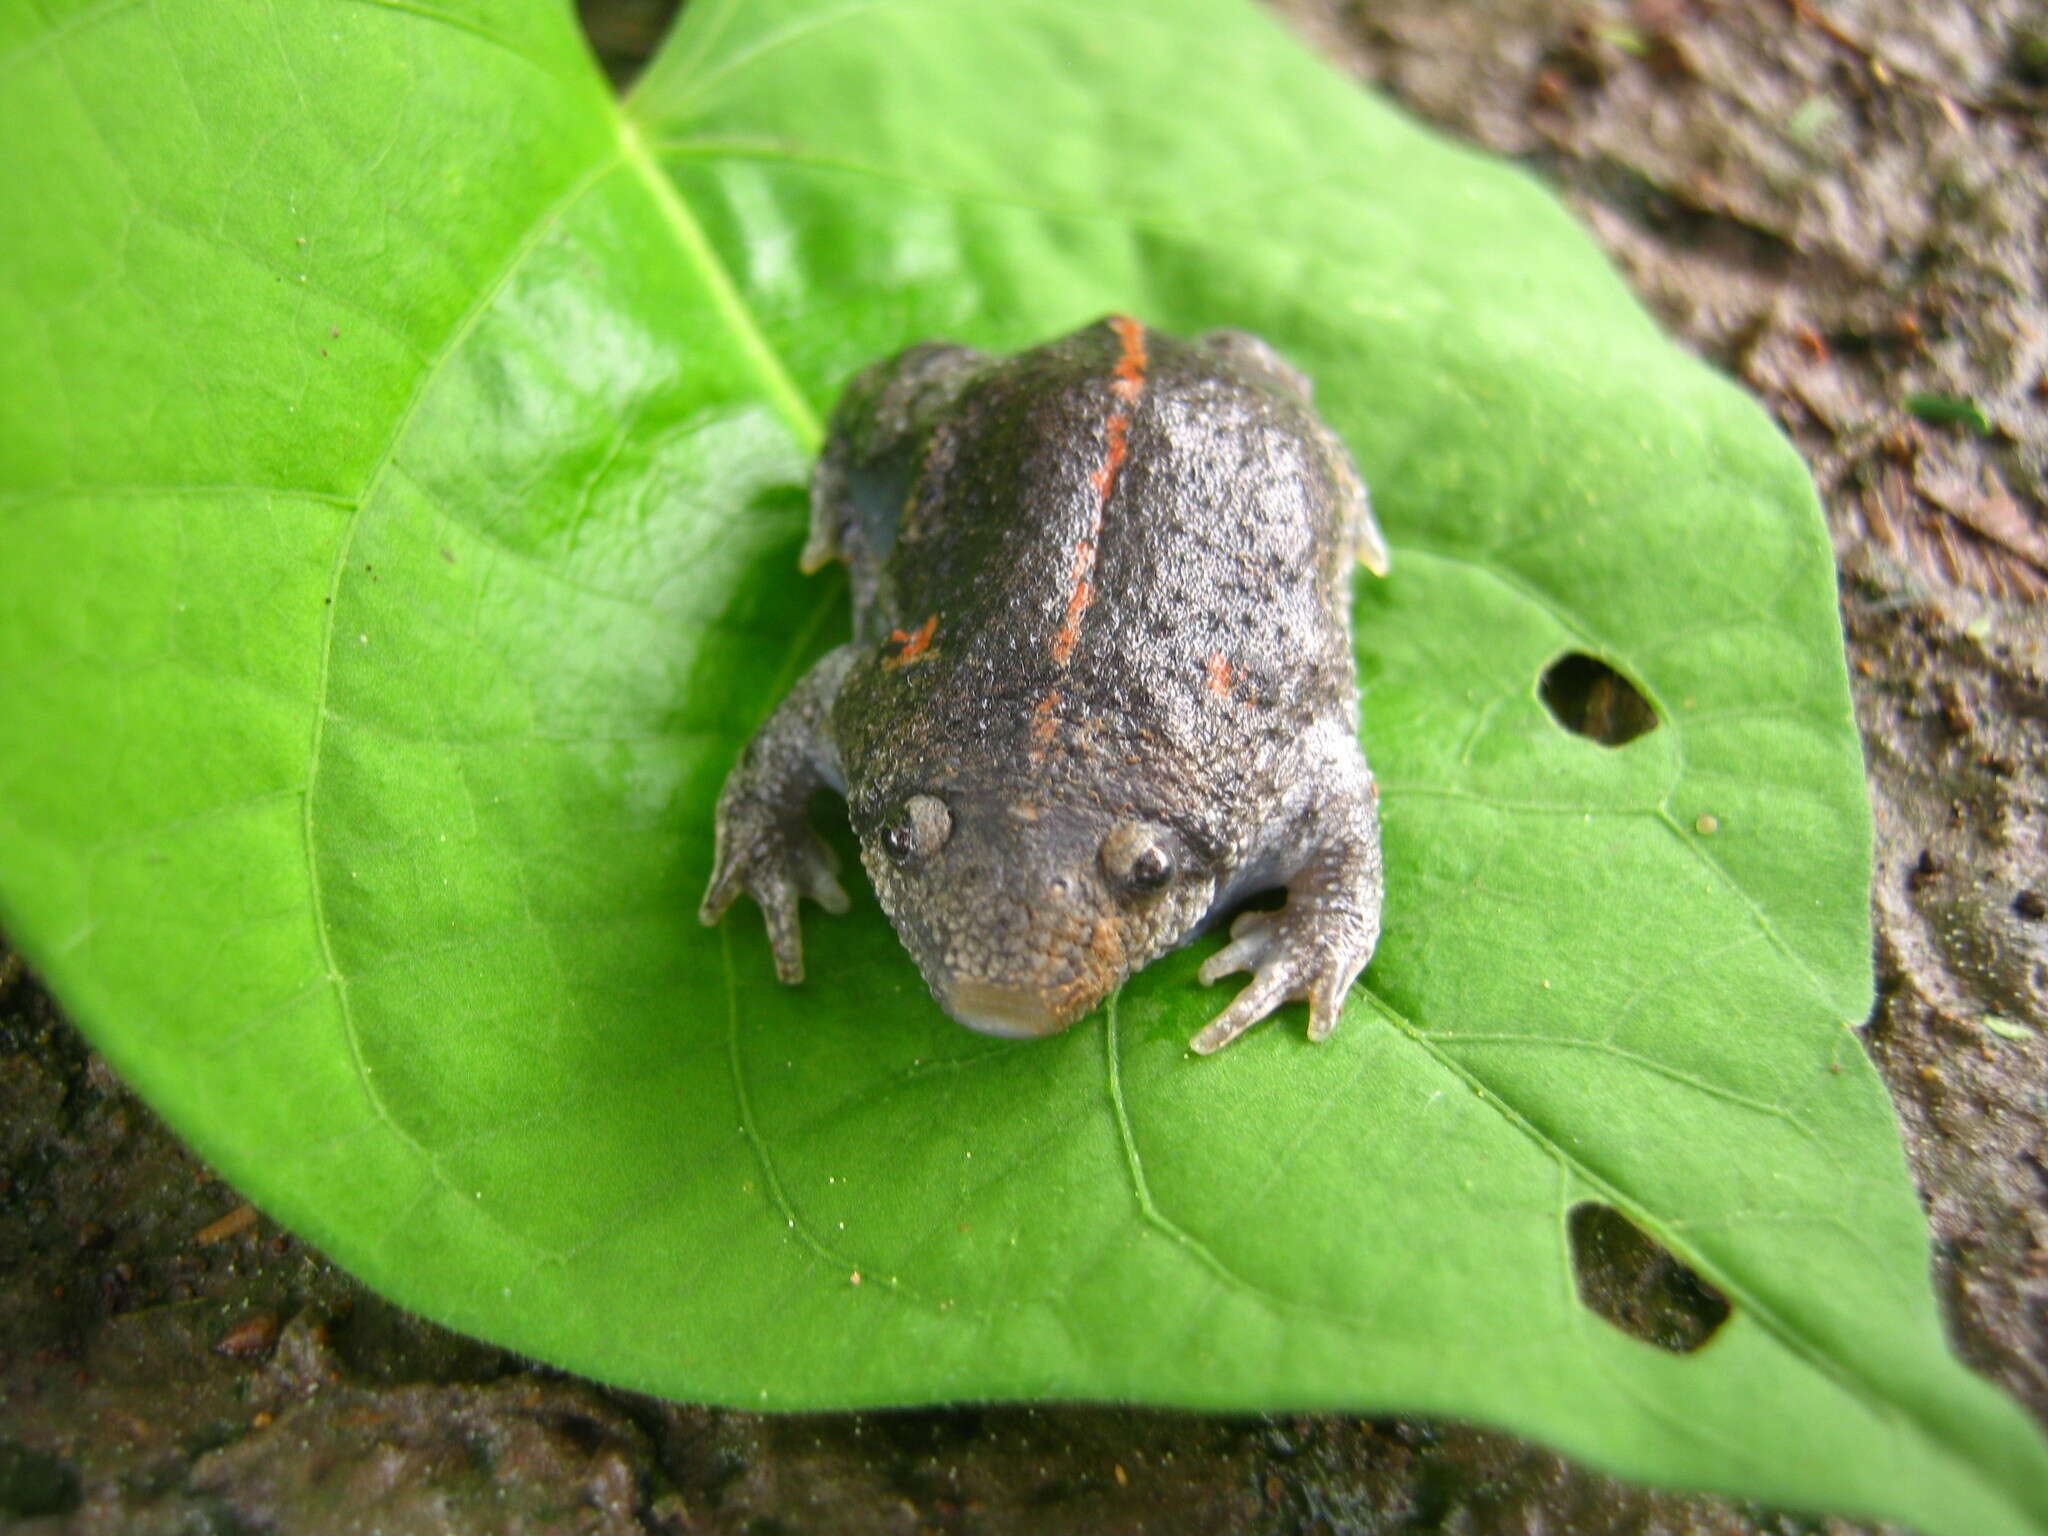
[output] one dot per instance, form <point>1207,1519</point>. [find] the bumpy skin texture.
<point>1100,687</point>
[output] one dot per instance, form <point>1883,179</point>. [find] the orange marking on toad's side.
<point>1126,384</point>
<point>916,646</point>
<point>1219,675</point>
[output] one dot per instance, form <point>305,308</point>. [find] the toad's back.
<point>1115,523</point>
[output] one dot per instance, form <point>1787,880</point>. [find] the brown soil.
<point>1839,201</point>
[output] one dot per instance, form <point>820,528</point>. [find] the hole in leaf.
<point>1592,699</point>
<point>1636,1283</point>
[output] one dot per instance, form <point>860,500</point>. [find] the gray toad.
<point>1100,687</point>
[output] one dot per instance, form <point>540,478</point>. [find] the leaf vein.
<point>92,16</point>
<point>1148,1207</point>
<point>343,546</point>
<point>1788,1333</point>
<point>464,24</point>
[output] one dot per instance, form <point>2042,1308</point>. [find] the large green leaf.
<point>401,448</point>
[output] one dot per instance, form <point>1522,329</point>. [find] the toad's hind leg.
<point>1314,947</point>
<point>878,435</point>
<point>1368,544</point>
<point>1256,356</point>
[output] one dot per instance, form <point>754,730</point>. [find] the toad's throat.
<point>1009,1013</point>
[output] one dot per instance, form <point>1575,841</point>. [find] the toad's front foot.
<point>775,860</point>
<point>1312,948</point>
<point>765,843</point>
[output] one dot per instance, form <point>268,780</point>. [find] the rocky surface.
<point>1841,202</point>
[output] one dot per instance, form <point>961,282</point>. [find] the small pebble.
<point>239,1220</point>
<point>255,1335</point>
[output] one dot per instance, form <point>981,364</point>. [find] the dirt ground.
<point>1840,202</point>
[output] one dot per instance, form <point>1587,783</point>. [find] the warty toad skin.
<point>1100,687</point>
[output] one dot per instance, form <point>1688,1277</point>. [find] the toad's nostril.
<point>1008,1012</point>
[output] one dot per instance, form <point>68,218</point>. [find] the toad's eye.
<point>1139,857</point>
<point>918,830</point>
<point>1151,868</point>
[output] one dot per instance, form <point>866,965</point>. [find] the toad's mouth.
<point>1009,1013</point>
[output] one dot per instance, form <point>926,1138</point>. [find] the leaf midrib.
<point>689,236</point>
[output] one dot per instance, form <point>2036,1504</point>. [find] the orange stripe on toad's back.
<point>1219,675</point>
<point>1064,642</point>
<point>915,646</point>
<point>1130,365</point>
<point>1077,602</point>
<point>1126,384</point>
<point>1044,724</point>
<point>1104,478</point>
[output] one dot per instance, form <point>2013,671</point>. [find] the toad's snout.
<point>1012,1013</point>
<point>1018,960</point>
